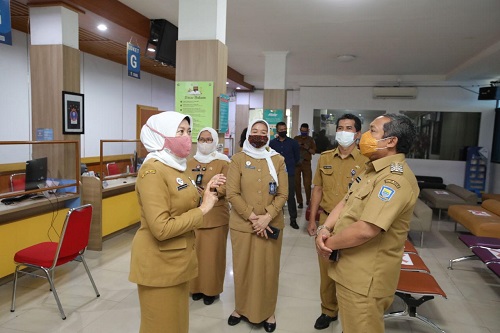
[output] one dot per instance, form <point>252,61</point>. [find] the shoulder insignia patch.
<point>386,193</point>
<point>397,168</point>
<point>393,182</point>
<point>147,172</point>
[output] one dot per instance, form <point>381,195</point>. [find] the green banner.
<point>195,99</point>
<point>273,117</point>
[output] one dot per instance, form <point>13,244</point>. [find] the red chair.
<point>112,169</point>
<point>17,182</point>
<point>49,255</point>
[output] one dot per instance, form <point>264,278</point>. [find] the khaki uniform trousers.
<point>361,314</point>
<point>327,290</point>
<point>305,170</point>
<point>164,309</point>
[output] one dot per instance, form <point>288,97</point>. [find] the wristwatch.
<point>321,227</point>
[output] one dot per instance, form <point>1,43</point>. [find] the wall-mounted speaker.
<point>163,35</point>
<point>489,93</point>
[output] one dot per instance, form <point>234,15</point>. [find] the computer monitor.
<point>36,173</point>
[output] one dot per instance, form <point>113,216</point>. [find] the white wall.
<point>111,98</point>
<point>429,99</point>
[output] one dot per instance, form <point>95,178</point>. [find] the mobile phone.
<point>275,234</point>
<point>335,255</point>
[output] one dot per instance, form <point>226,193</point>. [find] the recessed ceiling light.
<point>150,49</point>
<point>238,87</point>
<point>346,57</point>
<point>227,82</point>
<point>102,27</point>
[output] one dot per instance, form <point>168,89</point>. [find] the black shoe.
<point>324,321</point>
<point>197,296</point>
<point>233,320</point>
<point>269,327</point>
<point>209,299</point>
<point>300,205</point>
<point>294,224</point>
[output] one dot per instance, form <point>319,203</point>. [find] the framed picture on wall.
<point>73,113</point>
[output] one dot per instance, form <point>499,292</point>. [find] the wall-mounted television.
<point>163,35</point>
<point>36,173</point>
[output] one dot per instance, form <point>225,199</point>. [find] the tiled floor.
<point>473,303</point>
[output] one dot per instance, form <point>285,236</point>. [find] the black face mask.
<point>282,134</point>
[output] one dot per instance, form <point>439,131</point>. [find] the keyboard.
<point>11,200</point>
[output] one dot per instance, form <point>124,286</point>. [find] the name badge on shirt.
<point>327,166</point>
<point>181,187</point>
<point>272,188</point>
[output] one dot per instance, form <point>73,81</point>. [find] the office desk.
<point>28,222</point>
<point>115,207</point>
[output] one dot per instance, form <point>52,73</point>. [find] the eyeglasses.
<point>203,140</point>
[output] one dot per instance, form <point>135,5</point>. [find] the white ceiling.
<point>406,41</point>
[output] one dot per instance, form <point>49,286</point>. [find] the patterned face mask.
<point>257,141</point>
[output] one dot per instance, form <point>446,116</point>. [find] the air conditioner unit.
<point>395,92</point>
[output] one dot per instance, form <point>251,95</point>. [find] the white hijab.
<point>214,154</point>
<point>263,152</point>
<point>167,124</point>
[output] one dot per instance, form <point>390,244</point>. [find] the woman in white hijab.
<point>257,189</point>
<point>163,255</point>
<point>211,236</point>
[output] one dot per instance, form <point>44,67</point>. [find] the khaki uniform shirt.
<point>163,249</point>
<point>335,174</point>
<point>385,196</point>
<point>247,189</point>
<point>219,215</point>
<point>305,143</point>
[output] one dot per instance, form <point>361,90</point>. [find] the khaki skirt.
<point>256,265</point>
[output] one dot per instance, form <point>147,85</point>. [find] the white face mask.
<point>206,148</point>
<point>345,139</point>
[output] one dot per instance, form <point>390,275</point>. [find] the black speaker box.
<point>163,35</point>
<point>489,93</point>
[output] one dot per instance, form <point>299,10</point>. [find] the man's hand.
<point>311,228</point>
<point>321,248</point>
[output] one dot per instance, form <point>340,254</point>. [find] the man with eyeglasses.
<point>289,149</point>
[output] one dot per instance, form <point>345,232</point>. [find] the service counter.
<point>28,222</point>
<point>115,207</point>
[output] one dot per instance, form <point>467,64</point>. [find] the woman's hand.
<point>217,181</point>
<point>210,197</point>
<point>260,225</point>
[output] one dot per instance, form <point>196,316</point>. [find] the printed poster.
<point>195,99</point>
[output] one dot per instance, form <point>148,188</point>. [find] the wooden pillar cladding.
<point>54,69</point>
<point>275,99</point>
<point>203,60</point>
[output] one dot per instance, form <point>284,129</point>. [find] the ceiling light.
<point>238,87</point>
<point>150,49</point>
<point>102,27</point>
<point>227,82</point>
<point>346,57</point>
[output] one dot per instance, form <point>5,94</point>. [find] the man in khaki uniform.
<point>370,226</point>
<point>303,169</point>
<point>335,172</point>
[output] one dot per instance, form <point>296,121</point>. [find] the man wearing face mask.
<point>335,172</point>
<point>303,169</point>
<point>289,149</point>
<point>368,228</point>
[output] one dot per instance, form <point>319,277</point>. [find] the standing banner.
<point>5,26</point>
<point>133,61</point>
<point>223,113</point>
<point>273,117</point>
<point>195,99</point>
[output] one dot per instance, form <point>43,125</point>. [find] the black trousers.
<point>292,205</point>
